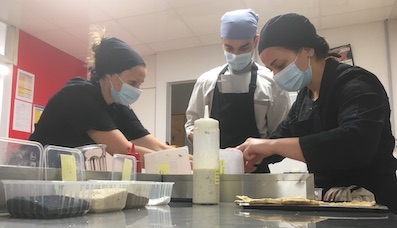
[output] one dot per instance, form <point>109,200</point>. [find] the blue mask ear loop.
<point>309,64</point>
<point>125,82</point>
<point>111,84</point>
<point>119,79</point>
<point>297,58</point>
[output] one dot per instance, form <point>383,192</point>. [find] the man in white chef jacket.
<point>241,94</point>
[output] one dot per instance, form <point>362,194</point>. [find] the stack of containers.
<point>45,199</point>
<point>73,196</point>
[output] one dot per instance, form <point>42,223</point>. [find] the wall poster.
<point>24,86</point>
<point>22,120</point>
<point>37,111</point>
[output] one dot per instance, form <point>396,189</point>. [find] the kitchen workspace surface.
<point>184,214</point>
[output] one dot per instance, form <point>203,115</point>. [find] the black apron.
<point>235,113</point>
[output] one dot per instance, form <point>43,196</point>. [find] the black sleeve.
<point>127,122</point>
<point>362,109</point>
<point>263,167</point>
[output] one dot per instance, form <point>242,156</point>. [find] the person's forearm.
<point>143,150</point>
<point>288,147</point>
<point>150,142</point>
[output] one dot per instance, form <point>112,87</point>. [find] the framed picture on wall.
<point>342,54</point>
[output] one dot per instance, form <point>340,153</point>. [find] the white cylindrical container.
<point>206,160</point>
<point>231,161</point>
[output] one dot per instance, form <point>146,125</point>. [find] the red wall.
<point>52,69</point>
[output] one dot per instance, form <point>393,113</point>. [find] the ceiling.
<point>153,26</point>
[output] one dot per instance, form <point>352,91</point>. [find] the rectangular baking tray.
<point>325,207</point>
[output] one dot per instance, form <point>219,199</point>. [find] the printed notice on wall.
<point>25,86</point>
<point>37,111</point>
<point>22,119</point>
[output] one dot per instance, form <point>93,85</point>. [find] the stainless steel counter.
<point>222,215</point>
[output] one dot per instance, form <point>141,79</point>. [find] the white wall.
<point>176,66</point>
<point>368,46</point>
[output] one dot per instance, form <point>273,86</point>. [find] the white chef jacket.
<point>271,103</point>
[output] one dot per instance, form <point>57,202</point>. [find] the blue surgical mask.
<point>238,62</point>
<point>127,95</point>
<point>293,79</point>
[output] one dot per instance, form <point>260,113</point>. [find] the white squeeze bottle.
<point>206,160</point>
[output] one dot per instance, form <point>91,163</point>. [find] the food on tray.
<point>298,200</point>
<point>46,207</point>
<point>135,201</point>
<point>108,199</point>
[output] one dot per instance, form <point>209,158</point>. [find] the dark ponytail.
<point>321,48</point>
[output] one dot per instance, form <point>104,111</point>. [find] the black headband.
<point>288,30</point>
<point>114,56</point>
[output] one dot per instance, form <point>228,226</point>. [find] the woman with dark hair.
<point>340,123</point>
<point>97,110</point>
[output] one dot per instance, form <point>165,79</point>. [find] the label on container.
<point>68,167</point>
<point>164,168</point>
<point>217,178</point>
<point>221,166</point>
<point>126,171</point>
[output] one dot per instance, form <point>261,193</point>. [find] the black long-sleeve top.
<point>345,135</point>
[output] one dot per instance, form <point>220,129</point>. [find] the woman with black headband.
<point>340,123</point>
<point>97,111</point>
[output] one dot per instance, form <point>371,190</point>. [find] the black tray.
<point>332,208</point>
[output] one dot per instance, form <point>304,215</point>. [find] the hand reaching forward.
<point>254,151</point>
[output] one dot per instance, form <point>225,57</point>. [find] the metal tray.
<point>325,207</point>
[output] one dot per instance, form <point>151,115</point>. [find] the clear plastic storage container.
<point>108,196</point>
<point>16,152</point>
<point>138,193</point>
<point>95,157</point>
<point>161,193</point>
<point>124,164</point>
<point>47,199</point>
<point>69,160</point>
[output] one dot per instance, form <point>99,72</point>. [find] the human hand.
<point>254,151</point>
